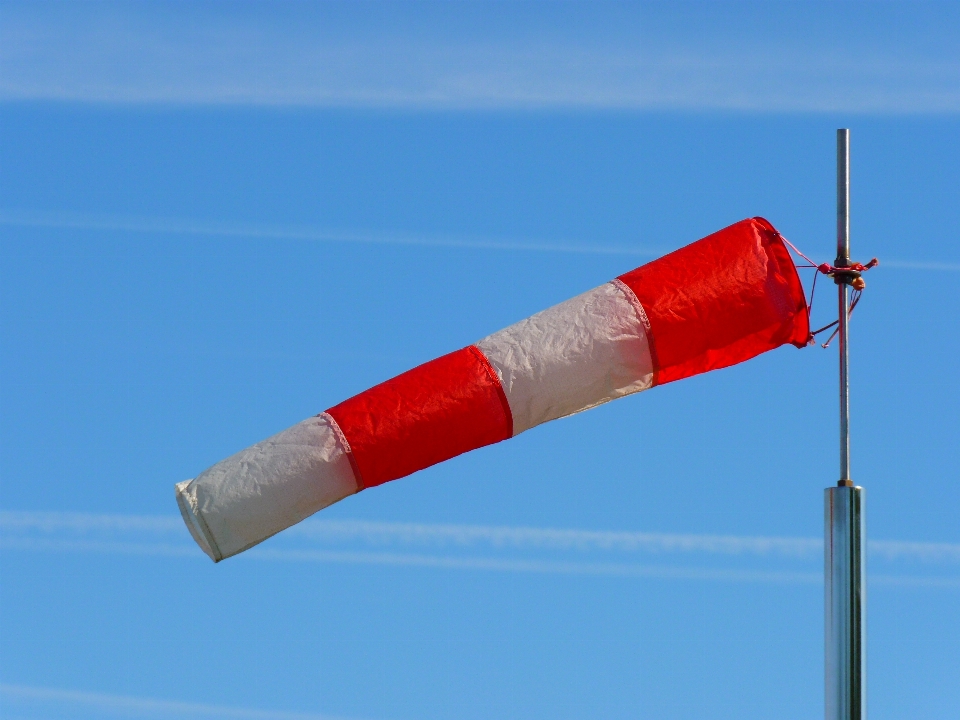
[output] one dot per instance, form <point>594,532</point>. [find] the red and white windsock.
<point>719,301</point>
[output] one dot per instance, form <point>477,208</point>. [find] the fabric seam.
<point>348,451</point>
<point>485,363</point>
<point>206,530</point>
<point>792,276</point>
<point>645,323</point>
<point>188,511</point>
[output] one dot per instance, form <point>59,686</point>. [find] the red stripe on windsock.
<point>721,300</point>
<point>432,413</point>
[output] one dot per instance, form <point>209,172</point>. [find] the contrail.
<point>910,265</point>
<point>304,233</point>
<point>539,567</point>
<point>89,528</point>
<point>87,522</point>
<point>536,566</point>
<point>542,567</point>
<point>98,546</point>
<point>147,706</point>
<point>552,539</point>
<point>645,59</point>
<point>311,234</point>
<point>925,552</point>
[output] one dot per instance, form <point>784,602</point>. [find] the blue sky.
<point>218,219</point>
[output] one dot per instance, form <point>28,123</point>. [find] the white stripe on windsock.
<point>268,487</point>
<point>574,356</point>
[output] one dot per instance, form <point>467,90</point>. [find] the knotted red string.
<point>849,275</point>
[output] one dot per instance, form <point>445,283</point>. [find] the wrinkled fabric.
<point>266,488</point>
<point>572,357</point>
<point>721,300</point>
<point>432,413</point>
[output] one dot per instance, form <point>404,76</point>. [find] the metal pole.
<point>844,520</point>
<point>843,260</point>
<point>845,603</point>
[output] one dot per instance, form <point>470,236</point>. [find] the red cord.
<point>828,269</point>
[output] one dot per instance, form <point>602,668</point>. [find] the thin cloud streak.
<point>267,232</point>
<point>914,582</point>
<point>146,706</point>
<point>551,539</point>
<point>20,529</point>
<point>649,58</point>
<point>51,522</point>
<point>924,552</point>
<point>909,265</point>
<point>534,566</point>
<point>160,226</point>
<point>98,547</point>
<point>537,567</point>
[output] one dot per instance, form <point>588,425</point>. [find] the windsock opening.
<point>187,502</point>
<point>721,300</point>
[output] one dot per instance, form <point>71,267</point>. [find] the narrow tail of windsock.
<point>717,302</point>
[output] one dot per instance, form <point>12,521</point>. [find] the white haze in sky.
<point>768,57</point>
<point>196,228</point>
<point>20,698</point>
<point>159,535</point>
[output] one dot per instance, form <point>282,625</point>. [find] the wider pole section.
<point>845,529</point>
<point>845,603</point>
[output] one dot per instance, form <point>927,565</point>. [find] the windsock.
<point>714,303</point>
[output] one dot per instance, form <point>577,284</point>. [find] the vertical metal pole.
<point>844,517</point>
<point>843,260</point>
<point>845,603</point>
